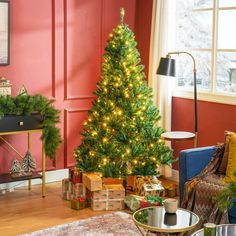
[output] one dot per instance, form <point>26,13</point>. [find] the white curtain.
<point>162,41</point>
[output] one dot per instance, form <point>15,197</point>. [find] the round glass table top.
<point>156,219</point>
<point>177,135</point>
<point>221,230</point>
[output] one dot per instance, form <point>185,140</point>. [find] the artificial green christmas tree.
<point>121,135</point>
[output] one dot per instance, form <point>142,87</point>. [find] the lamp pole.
<point>195,93</point>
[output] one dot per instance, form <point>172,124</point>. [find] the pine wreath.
<point>27,105</point>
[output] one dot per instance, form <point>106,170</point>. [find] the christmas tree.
<point>16,167</point>
<point>28,164</point>
<point>121,135</point>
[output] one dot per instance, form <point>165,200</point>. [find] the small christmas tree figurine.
<point>28,164</point>
<point>16,169</point>
<point>121,135</point>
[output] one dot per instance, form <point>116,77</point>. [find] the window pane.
<point>227,3</point>
<point>203,66</point>
<point>203,3</point>
<point>226,34</point>
<point>226,73</point>
<point>194,28</point>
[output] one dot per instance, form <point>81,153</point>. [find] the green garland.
<point>27,105</point>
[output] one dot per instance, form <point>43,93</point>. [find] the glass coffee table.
<point>221,230</point>
<point>155,219</point>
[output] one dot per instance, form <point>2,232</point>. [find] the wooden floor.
<point>24,211</point>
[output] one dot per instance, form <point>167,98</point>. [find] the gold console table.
<point>18,126</point>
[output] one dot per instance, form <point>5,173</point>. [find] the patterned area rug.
<point>113,224</point>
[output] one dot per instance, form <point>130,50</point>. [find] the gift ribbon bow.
<point>152,199</point>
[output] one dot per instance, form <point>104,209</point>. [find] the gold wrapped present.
<point>92,181</point>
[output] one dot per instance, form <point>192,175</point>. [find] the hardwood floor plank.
<point>24,211</point>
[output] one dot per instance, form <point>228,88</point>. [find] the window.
<point>206,28</point>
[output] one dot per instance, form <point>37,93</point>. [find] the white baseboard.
<point>51,176</point>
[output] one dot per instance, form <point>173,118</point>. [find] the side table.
<point>177,135</point>
<point>155,219</point>
<point>12,125</point>
<point>221,230</point>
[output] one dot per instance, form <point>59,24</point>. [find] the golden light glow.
<point>91,153</point>
<point>128,151</point>
<point>107,118</point>
<point>110,35</point>
<point>105,90</point>
<point>112,104</point>
<point>85,123</point>
<point>105,140</point>
<point>140,95</point>
<point>119,113</point>
<point>151,145</point>
<point>94,133</point>
<point>104,160</point>
<point>135,161</point>
<point>104,124</point>
<point>154,158</point>
<point>105,82</point>
<point>89,119</point>
<point>117,84</point>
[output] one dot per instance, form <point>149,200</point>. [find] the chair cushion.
<point>224,162</point>
<point>231,166</point>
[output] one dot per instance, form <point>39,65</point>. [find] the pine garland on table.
<point>28,105</point>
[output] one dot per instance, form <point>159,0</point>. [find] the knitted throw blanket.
<point>199,191</point>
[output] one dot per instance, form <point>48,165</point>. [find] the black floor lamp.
<point>167,68</point>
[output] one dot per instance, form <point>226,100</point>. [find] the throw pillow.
<point>224,161</point>
<point>231,167</point>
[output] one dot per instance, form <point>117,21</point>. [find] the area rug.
<point>113,224</point>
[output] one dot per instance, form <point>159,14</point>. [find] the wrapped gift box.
<point>67,189</point>
<point>78,190</point>
<point>92,181</point>
<point>134,202</point>
<point>111,197</point>
<point>75,175</point>
<point>71,190</point>
<point>114,191</point>
<point>111,181</point>
<point>107,205</point>
<point>80,203</point>
<point>144,186</point>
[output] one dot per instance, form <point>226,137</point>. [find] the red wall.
<point>56,50</point>
<point>213,120</point>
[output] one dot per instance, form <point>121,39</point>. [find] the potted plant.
<point>227,194</point>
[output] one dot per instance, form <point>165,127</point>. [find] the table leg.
<point>29,148</point>
<point>140,230</point>
<point>43,169</point>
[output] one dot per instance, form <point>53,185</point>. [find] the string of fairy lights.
<point>124,106</point>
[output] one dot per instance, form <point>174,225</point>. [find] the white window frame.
<point>211,95</point>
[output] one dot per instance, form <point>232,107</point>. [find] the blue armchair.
<point>191,163</point>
